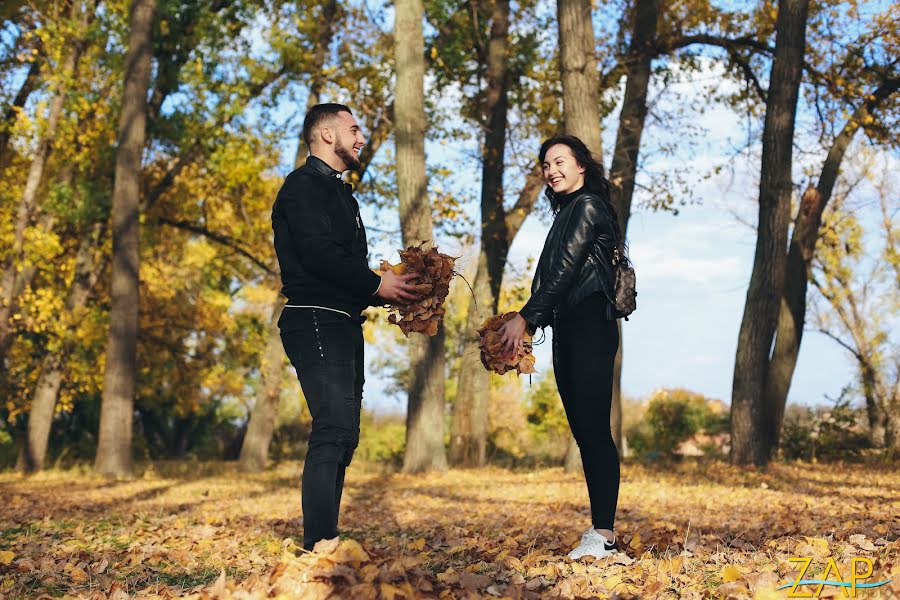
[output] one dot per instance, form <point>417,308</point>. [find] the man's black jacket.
<point>576,260</point>
<point>321,242</point>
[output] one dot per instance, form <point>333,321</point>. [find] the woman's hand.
<point>512,333</point>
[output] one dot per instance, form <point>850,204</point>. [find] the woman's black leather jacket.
<point>576,260</point>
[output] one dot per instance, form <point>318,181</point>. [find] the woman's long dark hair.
<point>594,178</point>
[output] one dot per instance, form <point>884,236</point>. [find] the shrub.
<point>824,433</point>
<point>672,417</point>
<point>382,439</point>
<point>547,426</point>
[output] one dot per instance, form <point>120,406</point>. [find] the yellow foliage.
<point>262,295</point>
<point>731,573</point>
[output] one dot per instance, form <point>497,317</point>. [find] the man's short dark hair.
<point>319,113</point>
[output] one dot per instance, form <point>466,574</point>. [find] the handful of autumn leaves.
<point>491,345</point>
<point>433,274</point>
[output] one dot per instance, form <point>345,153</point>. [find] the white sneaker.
<point>593,544</point>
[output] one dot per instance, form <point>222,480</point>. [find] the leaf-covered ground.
<point>693,530</point>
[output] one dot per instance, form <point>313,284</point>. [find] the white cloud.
<point>660,265</point>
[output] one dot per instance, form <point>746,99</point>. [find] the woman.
<point>571,291</point>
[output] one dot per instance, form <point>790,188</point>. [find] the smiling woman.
<point>573,291</point>
<point>561,170</point>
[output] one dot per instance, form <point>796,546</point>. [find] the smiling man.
<point>322,251</point>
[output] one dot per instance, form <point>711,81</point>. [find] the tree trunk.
<point>581,101</point>
<point>425,448</point>
<point>892,428</point>
<point>468,431</point>
<point>572,459</point>
<point>869,379</point>
<point>425,409</point>
<point>578,67</point>
<point>117,408</point>
<point>29,201</point>
<point>749,432</point>
<point>623,171</point>
<point>261,426</point>
<point>40,417</point>
<point>317,78</point>
<point>615,413</point>
<point>792,312</point>
<point>468,441</point>
<point>468,437</point>
<point>46,392</point>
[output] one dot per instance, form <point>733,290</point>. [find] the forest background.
<point>675,102</point>
<point>152,431</point>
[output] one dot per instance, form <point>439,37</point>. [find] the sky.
<point>692,268</point>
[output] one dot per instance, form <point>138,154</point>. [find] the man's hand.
<point>396,289</point>
<point>513,333</point>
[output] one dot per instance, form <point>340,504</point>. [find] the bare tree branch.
<point>218,238</point>
<point>528,197</point>
<point>842,343</point>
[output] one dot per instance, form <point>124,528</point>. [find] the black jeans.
<point>326,349</point>
<point>584,353</point>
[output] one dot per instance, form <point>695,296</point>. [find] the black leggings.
<point>584,352</point>
<point>326,349</point>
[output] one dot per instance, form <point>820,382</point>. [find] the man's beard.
<point>351,160</point>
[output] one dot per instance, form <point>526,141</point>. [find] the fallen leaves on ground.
<point>204,530</point>
<point>492,352</point>
<point>433,272</point>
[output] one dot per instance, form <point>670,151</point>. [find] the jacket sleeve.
<point>575,241</point>
<point>302,203</point>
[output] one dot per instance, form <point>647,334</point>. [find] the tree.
<point>188,143</point>
<point>325,32</point>
<point>261,423</point>
<point>581,102</point>
<point>77,210</point>
<point>82,15</point>
<point>114,446</point>
<point>578,68</point>
<point>46,392</point>
<point>490,109</point>
<point>866,88</point>
<point>624,167</point>
<point>362,78</point>
<point>86,214</point>
<point>767,278</point>
<point>468,439</point>
<point>807,228</point>
<point>425,407</point>
<point>857,298</point>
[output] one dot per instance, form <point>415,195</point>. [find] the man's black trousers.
<point>584,354</point>
<point>326,349</point>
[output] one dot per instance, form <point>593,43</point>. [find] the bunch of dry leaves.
<point>434,271</point>
<point>492,353</point>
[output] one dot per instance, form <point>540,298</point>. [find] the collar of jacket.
<point>567,199</point>
<point>320,166</point>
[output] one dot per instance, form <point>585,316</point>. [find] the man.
<point>321,246</point>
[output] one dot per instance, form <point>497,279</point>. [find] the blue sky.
<point>693,269</point>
